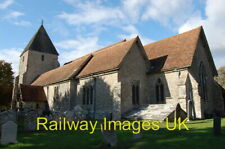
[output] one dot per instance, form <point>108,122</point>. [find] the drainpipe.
<point>94,87</point>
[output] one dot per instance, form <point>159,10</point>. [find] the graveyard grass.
<point>200,136</point>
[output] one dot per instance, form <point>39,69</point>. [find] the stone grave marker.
<point>79,113</point>
<point>30,121</point>
<point>139,135</point>
<point>8,132</point>
<point>217,126</point>
<point>109,137</point>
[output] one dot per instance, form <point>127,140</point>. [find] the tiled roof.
<point>107,58</point>
<point>32,93</point>
<point>104,59</point>
<point>178,50</point>
<point>41,42</point>
<point>63,72</point>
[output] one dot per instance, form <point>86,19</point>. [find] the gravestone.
<point>217,126</point>
<point>109,137</point>
<point>9,115</point>
<point>138,135</point>
<point>30,120</point>
<point>79,113</point>
<point>69,115</point>
<point>8,132</point>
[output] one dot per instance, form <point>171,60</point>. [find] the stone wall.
<point>31,65</point>
<point>133,69</point>
<point>174,87</point>
<point>59,96</point>
<point>102,94</point>
<point>207,106</point>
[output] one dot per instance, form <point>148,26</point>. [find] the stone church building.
<point>122,77</point>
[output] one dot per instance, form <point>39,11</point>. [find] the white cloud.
<point>173,12</point>
<point>133,9</point>
<point>90,12</point>
<point>14,18</point>
<point>214,28</point>
<point>6,3</point>
<point>74,48</point>
<point>168,13</point>
<point>22,23</point>
<point>11,56</point>
<point>13,15</point>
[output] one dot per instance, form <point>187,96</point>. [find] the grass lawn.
<point>199,136</point>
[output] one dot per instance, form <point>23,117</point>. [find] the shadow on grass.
<point>200,136</point>
<point>194,139</point>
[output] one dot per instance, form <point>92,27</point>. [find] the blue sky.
<point>77,27</point>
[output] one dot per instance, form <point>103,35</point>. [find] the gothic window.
<point>87,95</point>
<point>42,57</point>
<point>23,59</point>
<point>159,89</point>
<point>203,81</point>
<point>135,93</point>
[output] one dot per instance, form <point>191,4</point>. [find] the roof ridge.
<point>66,64</point>
<point>75,59</point>
<point>91,53</point>
<point>112,45</point>
<point>197,28</point>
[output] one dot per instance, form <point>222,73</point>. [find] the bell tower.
<point>39,56</point>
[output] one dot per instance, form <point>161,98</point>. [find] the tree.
<point>6,74</point>
<point>221,76</point>
<point>6,84</point>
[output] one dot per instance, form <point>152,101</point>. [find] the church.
<point>122,78</point>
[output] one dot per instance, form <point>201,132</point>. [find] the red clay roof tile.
<point>32,93</point>
<point>179,49</point>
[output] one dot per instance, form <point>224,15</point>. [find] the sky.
<point>78,27</point>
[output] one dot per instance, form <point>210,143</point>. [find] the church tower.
<point>39,56</point>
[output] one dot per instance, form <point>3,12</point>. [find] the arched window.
<point>159,89</point>
<point>202,81</point>
<point>135,93</point>
<point>88,95</point>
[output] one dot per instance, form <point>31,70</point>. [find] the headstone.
<point>69,115</point>
<point>8,132</point>
<point>30,121</point>
<point>9,115</point>
<point>109,137</point>
<point>217,126</point>
<point>79,113</point>
<point>76,114</point>
<point>138,135</point>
